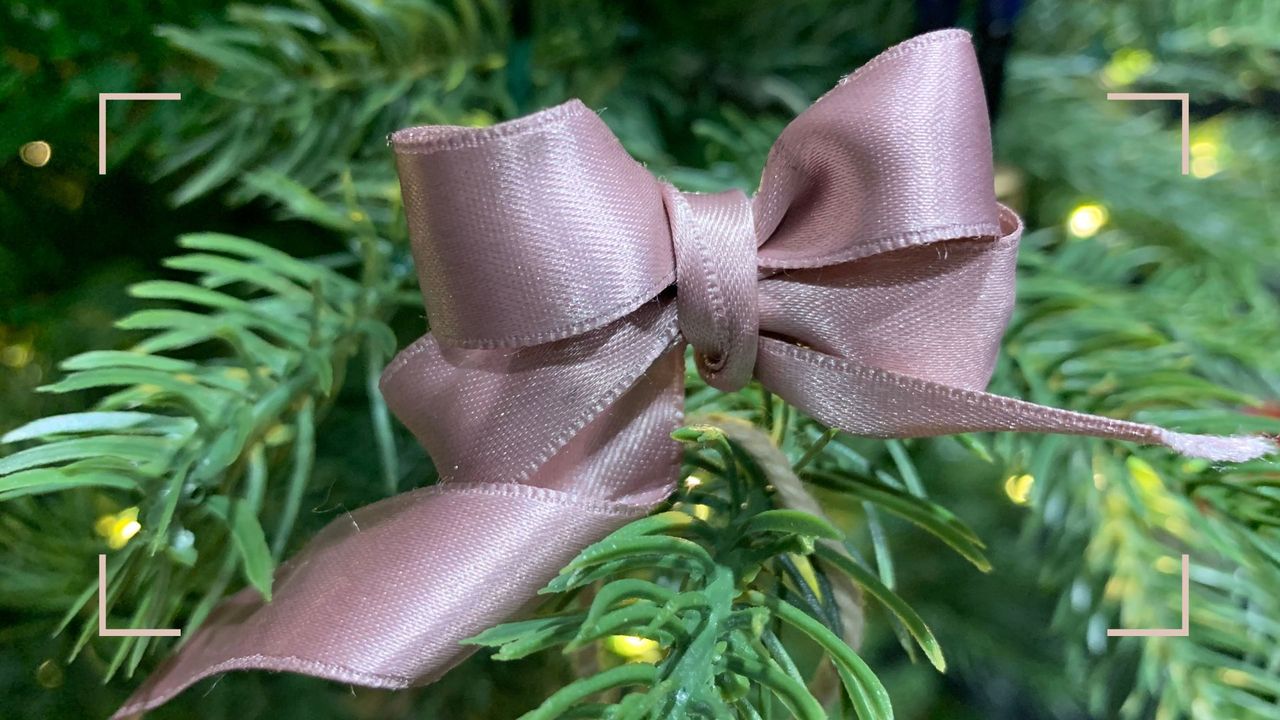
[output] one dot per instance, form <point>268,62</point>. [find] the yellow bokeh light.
<point>1238,678</point>
<point>49,674</point>
<point>1127,65</point>
<point>36,153</point>
<point>633,648</point>
<point>17,356</point>
<point>236,373</point>
<point>1177,526</point>
<point>1204,149</point>
<point>278,434</point>
<point>118,528</point>
<point>1204,158</point>
<point>1115,588</point>
<point>1144,475</point>
<point>1086,220</point>
<point>478,118</point>
<point>1018,488</point>
<point>1203,167</point>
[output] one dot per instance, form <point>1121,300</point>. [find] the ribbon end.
<point>1219,448</point>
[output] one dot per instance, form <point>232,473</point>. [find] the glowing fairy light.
<point>1204,167</point>
<point>1204,158</point>
<point>633,648</point>
<point>1126,66</point>
<point>36,153</point>
<point>118,528</point>
<point>49,674</point>
<point>1018,488</point>
<point>1086,220</point>
<point>1146,477</point>
<point>16,356</point>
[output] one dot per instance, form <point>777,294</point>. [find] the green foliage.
<point>334,77</point>
<point>1165,316</point>
<point>189,441</point>
<point>714,583</point>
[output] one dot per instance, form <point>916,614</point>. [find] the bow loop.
<point>935,312</point>
<point>532,230</point>
<point>897,154</point>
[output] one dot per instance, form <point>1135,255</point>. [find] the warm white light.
<point>1018,488</point>
<point>1086,220</point>
<point>35,153</point>
<point>633,648</point>
<point>119,528</point>
<point>1204,167</point>
<point>1204,158</point>
<point>1126,66</point>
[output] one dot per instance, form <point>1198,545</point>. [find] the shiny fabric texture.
<point>868,283</point>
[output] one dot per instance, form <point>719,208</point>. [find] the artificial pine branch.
<point>706,588</point>
<point>1166,316</point>
<point>188,441</point>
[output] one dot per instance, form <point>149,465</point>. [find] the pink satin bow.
<point>868,283</point>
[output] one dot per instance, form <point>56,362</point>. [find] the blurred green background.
<point>1142,291</point>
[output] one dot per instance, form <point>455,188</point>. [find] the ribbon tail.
<point>383,596</point>
<point>869,401</point>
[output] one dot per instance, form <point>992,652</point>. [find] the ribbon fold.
<point>868,282</point>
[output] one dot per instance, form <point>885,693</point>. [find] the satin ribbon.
<point>867,283</point>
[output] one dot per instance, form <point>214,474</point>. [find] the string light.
<point>118,528</point>
<point>36,153</point>
<point>1204,167</point>
<point>1207,148</point>
<point>1204,158</point>
<point>1126,66</point>
<point>1018,488</point>
<point>1086,220</point>
<point>16,356</point>
<point>49,674</point>
<point>633,648</point>
<point>478,118</point>
<point>1148,480</point>
<point>1155,495</point>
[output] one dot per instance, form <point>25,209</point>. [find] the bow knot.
<point>714,240</point>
